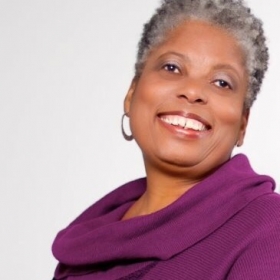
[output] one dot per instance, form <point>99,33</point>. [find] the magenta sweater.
<point>226,227</point>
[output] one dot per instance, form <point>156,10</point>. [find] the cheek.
<point>146,100</point>
<point>230,124</point>
<point>232,116</point>
<point>230,112</point>
<point>152,90</point>
<point>147,97</point>
<point>140,111</point>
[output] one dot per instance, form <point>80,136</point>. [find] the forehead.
<point>205,40</point>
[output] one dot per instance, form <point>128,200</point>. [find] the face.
<point>187,108</point>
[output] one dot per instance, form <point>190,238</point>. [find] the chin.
<point>178,161</point>
<point>197,163</point>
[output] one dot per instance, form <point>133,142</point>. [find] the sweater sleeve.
<point>261,260</point>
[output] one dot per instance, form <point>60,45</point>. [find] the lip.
<point>182,131</point>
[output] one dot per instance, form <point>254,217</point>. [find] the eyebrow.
<point>223,66</point>
<point>185,57</point>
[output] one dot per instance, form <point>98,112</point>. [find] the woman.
<point>199,214</point>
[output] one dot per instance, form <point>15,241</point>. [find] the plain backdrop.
<point>65,67</point>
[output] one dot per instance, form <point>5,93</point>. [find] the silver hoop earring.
<point>126,136</point>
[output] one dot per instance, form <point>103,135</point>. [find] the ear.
<point>128,97</point>
<point>243,127</point>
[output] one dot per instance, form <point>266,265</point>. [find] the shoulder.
<point>260,257</point>
<point>265,208</point>
<point>260,217</point>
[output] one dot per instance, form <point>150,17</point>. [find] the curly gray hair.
<point>232,15</point>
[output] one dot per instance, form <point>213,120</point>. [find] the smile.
<point>183,122</point>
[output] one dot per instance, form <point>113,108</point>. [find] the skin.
<point>199,72</point>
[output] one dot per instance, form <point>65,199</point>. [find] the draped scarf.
<point>99,245</point>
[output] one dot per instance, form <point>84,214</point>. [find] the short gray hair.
<point>232,15</point>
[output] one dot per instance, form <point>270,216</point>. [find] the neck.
<point>162,190</point>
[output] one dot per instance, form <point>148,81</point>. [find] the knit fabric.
<point>225,227</point>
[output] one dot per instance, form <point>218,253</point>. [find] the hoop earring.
<point>126,136</point>
<point>238,144</point>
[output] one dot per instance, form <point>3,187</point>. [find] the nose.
<point>193,91</point>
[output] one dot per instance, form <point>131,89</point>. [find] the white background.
<point>65,66</point>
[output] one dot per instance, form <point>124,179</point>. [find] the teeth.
<point>175,121</point>
<point>184,122</point>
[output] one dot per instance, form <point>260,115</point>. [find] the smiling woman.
<point>199,213</point>
<point>205,88</point>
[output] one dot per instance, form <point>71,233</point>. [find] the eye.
<point>222,84</point>
<point>171,68</point>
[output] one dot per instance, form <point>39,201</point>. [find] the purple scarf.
<point>99,243</point>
